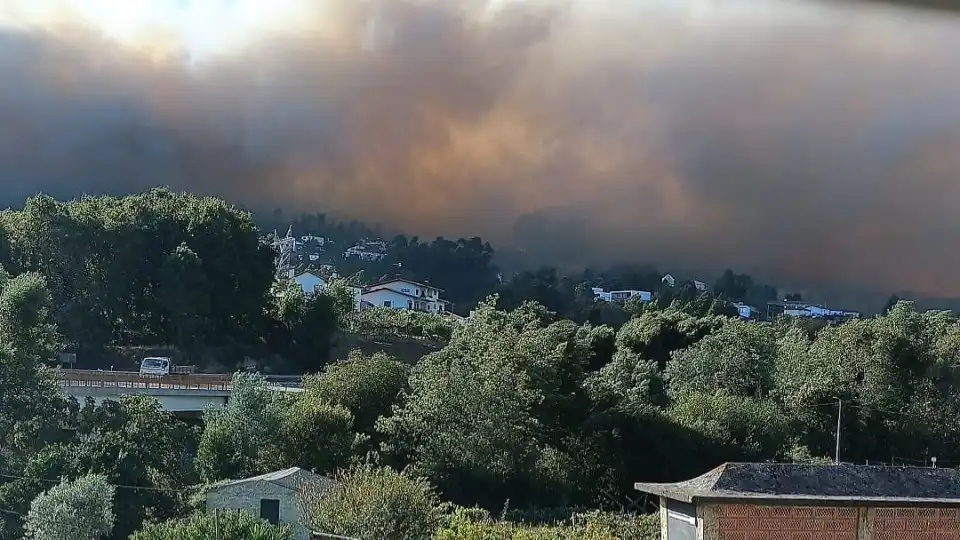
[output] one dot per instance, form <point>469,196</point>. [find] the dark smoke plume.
<point>799,141</point>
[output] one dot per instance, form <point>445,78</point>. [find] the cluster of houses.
<point>367,250</point>
<point>318,252</point>
<point>774,309</point>
<point>310,251</point>
<point>399,294</point>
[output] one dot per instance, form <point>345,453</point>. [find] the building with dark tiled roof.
<point>783,501</point>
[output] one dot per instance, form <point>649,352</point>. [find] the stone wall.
<point>246,496</point>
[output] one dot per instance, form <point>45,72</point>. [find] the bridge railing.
<point>133,379</point>
<point>127,379</point>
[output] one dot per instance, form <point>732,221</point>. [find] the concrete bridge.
<point>176,393</point>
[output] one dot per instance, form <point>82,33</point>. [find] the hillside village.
<point>311,262</point>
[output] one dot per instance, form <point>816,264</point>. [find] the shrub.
<point>375,503</point>
<point>77,510</point>
<point>473,524</point>
<point>222,526</point>
<point>392,322</point>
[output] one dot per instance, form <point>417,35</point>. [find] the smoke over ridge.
<point>801,141</point>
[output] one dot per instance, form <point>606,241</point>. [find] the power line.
<point>116,486</point>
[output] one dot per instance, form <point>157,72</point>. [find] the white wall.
<point>412,288</point>
<point>379,296</point>
<point>246,496</point>
<point>310,283</point>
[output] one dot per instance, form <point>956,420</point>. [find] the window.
<point>409,304</point>
<point>407,291</point>
<point>270,510</point>
<point>387,303</point>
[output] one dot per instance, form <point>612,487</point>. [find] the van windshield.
<point>153,363</point>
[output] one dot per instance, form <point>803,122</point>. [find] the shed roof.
<point>850,484</point>
<point>284,478</point>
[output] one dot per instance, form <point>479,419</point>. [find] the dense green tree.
<point>183,294</point>
<point>733,286</point>
<point>366,385</point>
<point>132,442</point>
<point>262,430</point>
<point>77,510</point>
<point>136,269</point>
<point>32,411</point>
<point>891,302</point>
<point>215,525</point>
<point>303,326</point>
<point>375,503</point>
<point>512,371</point>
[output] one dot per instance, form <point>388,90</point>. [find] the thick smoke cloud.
<point>802,142</point>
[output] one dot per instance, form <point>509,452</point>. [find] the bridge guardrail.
<point>133,379</point>
<point>119,379</point>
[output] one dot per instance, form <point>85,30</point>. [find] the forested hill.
<point>170,268</point>
<point>565,414</point>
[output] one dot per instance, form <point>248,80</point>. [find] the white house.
<point>311,238</point>
<point>622,297</point>
<point>699,285</point>
<point>668,280</point>
<point>275,497</point>
<point>813,311</point>
<point>744,310</point>
<point>601,295</point>
<point>367,250</point>
<point>310,282</point>
<point>405,294</point>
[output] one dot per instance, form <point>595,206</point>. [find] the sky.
<point>795,140</point>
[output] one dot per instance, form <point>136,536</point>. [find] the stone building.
<point>770,501</point>
<point>274,497</point>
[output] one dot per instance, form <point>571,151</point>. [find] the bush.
<point>392,322</point>
<point>222,526</point>
<point>474,524</point>
<point>375,503</point>
<point>78,510</point>
<point>368,386</point>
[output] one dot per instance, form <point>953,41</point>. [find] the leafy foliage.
<point>303,327</point>
<point>78,510</point>
<point>158,267</point>
<point>406,323</point>
<point>375,503</point>
<point>132,442</point>
<point>476,524</point>
<point>262,430</point>
<point>367,386</point>
<point>509,370</point>
<point>219,525</point>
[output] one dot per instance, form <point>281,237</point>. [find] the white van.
<point>155,365</point>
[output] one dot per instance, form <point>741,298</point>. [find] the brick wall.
<point>749,522</point>
<point>916,524</point>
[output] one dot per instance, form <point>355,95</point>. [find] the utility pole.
<point>839,415</point>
